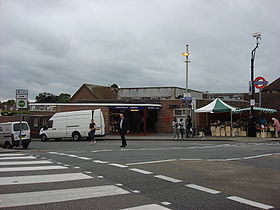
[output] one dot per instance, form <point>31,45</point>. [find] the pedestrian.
<point>181,128</point>
<point>91,133</point>
<point>124,129</point>
<point>175,129</point>
<point>189,126</point>
<point>276,125</point>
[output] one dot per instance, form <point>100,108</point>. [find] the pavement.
<point>144,175</point>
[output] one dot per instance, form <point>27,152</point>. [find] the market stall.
<point>218,106</point>
<point>264,126</point>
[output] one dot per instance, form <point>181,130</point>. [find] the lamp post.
<point>252,126</point>
<point>187,67</point>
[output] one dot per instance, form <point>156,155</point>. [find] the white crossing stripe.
<point>204,189</point>
<point>33,168</point>
<point>42,178</point>
<point>11,154</point>
<point>118,165</point>
<point>100,161</point>
<point>149,162</point>
<point>25,162</point>
<point>18,158</point>
<point>84,158</point>
<point>166,178</point>
<point>141,171</point>
<point>257,156</point>
<point>41,197</point>
<point>251,203</point>
<point>148,207</point>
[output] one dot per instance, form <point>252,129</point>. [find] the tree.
<point>115,86</point>
<point>51,98</point>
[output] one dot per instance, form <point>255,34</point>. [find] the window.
<point>50,124</point>
<point>179,112</point>
<point>17,127</point>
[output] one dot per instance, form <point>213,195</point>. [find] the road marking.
<point>165,203</point>
<point>217,160</point>
<point>42,178</point>
<point>230,159</point>
<point>249,202</point>
<point>135,191</point>
<point>84,158</point>
<point>104,150</point>
<point>118,165</point>
<point>148,162</point>
<point>204,189</point>
<point>100,177</point>
<point>119,184</point>
<point>11,154</point>
<point>41,197</point>
<point>74,156</point>
<point>18,158</point>
<point>77,167</point>
<point>140,171</point>
<point>33,168</point>
<point>25,162</point>
<point>190,159</point>
<point>148,207</point>
<point>100,161</point>
<point>256,156</point>
<point>166,178</point>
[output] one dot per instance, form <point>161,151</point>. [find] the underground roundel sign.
<point>260,82</point>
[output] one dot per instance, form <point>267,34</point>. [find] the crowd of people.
<point>181,129</point>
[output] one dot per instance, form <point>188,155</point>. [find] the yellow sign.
<point>185,54</point>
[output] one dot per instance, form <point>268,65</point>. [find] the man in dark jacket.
<point>124,129</point>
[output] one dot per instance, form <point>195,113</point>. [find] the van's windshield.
<point>17,127</point>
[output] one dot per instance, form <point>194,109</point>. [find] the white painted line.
<point>88,172</point>
<point>217,160</point>
<point>72,155</point>
<point>190,159</point>
<point>165,203</point>
<point>148,162</point>
<point>135,191</point>
<point>104,150</point>
<point>42,178</point>
<point>204,189</point>
<point>140,171</point>
<point>249,202</point>
<point>33,168</point>
<point>166,178</point>
<point>118,165</point>
<point>119,184</point>
<point>100,177</point>
<point>230,159</point>
<point>77,167</point>
<point>257,156</point>
<point>41,197</point>
<point>18,158</point>
<point>84,158</point>
<point>148,207</point>
<point>10,154</point>
<point>25,162</point>
<point>100,161</point>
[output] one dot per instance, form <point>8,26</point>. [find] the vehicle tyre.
<point>8,145</point>
<point>25,146</point>
<point>44,138</point>
<point>76,136</point>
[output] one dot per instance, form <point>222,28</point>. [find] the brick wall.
<point>84,94</point>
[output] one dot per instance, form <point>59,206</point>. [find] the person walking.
<point>181,128</point>
<point>189,126</point>
<point>124,129</point>
<point>276,125</point>
<point>175,129</point>
<point>91,133</point>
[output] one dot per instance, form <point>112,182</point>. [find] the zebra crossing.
<point>20,171</point>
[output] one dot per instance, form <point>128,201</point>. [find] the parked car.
<point>11,135</point>
<point>73,124</point>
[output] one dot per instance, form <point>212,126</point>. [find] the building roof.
<point>98,91</point>
<point>275,85</point>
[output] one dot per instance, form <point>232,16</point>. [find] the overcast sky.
<point>57,45</point>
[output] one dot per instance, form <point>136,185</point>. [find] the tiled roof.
<point>275,85</point>
<point>102,92</point>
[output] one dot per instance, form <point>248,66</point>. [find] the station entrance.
<point>142,120</point>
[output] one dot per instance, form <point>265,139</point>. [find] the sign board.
<point>252,102</point>
<point>187,95</point>
<point>260,82</point>
<point>21,99</point>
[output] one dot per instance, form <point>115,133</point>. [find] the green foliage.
<point>51,98</point>
<point>9,103</point>
<point>13,112</point>
<point>115,86</point>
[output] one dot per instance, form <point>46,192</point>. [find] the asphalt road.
<point>144,175</point>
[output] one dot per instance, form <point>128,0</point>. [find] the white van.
<point>73,124</point>
<point>11,135</point>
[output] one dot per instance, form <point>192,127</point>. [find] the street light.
<point>252,126</point>
<point>186,54</point>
